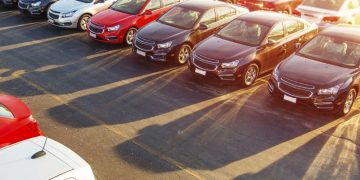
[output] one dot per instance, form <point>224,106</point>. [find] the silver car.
<point>328,12</point>
<point>76,13</point>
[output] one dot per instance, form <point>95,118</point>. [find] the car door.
<point>207,20</point>
<point>155,7</point>
<point>275,48</point>
<point>294,33</point>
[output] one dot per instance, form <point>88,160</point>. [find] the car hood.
<point>313,72</point>
<point>223,50</point>
<point>65,6</point>
<point>160,32</point>
<point>111,17</point>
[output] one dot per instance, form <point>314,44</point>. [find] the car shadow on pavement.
<point>244,134</point>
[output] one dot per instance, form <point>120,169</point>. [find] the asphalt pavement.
<point>131,118</point>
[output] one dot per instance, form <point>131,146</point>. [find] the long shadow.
<point>226,136</point>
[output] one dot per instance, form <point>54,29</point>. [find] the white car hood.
<point>65,6</point>
<point>16,162</point>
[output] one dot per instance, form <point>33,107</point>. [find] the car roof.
<point>347,32</point>
<point>202,5</point>
<point>267,18</point>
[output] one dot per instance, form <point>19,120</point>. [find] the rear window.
<point>5,112</point>
<point>334,5</point>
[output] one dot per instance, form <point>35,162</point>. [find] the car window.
<point>224,12</point>
<point>170,2</point>
<point>128,6</point>
<point>293,26</point>
<point>277,32</point>
<point>353,4</point>
<point>208,18</point>
<point>153,5</point>
<point>180,17</point>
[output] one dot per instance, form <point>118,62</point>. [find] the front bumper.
<point>56,20</point>
<point>156,54</point>
<point>319,102</point>
<point>101,34</point>
<point>28,9</point>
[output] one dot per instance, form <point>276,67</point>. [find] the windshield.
<point>244,32</point>
<point>86,1</point>
<point>333,51</point>
<point>325,4</point>
<point>128,6</point>
<point>180,17</point>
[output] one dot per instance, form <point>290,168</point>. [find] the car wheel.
<point>348,103</point>
<point>83,21</point>
<point>130,35</point>
<point>249,75</point>
<point>183,54</point>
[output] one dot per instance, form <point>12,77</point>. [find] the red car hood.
<point>110,17</point>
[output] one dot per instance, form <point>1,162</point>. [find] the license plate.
<point>141,53</point>
<point>92,35</point>
<point>290,99</point>
<point>51,21</point>
<point>199,71</point>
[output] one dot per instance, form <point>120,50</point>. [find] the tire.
<point>348,103</point>
<point>183,54</point>
<point>249,75</point>
<point>130,35</point>
<point>82,23</point>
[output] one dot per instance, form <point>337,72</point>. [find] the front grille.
<point>207,59</point>
<point>96,28</point>
<point>144,44</point>
<point>23,5</point>
<point>204,63</point>
<point>294,91</point>
<point>53,16</point>
<point>297,84</point>
<point>55,12</point>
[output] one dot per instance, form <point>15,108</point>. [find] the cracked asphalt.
<point>135,119</point>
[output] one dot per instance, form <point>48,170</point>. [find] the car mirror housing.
<point>203,27</point>
<point>147,12</point>
<point>297,45</point>
<point>270,42</point>
<point>99,1</point>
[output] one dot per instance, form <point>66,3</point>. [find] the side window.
<point>293,26</point>
<point>153,5</point>
<point>224,12</point>
<point>353,4</point>
<point>170,2</point>
<point>208,18</point>
<point>277,32</point>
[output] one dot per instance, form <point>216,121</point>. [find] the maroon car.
<point>324,73</point>
<point>252,44</point>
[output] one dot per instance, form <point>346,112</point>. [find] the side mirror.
<point>99,1</point>
<point>271,42</point>
<point>203,27</point>
<point>297,45</point>
<point>147,13</point>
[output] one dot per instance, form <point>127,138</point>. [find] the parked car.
<point>174,34</point>
<point>285,6</point>
<point>35,7</point>
<point>250,45</point>
<point>10,2</point>
<point>324,73</point>
<point>76,13</point>
<point>42,158</point>
<point>328,12</point>
<point>16,121</point>
<point>120,23</point>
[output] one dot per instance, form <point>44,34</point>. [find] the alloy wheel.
<point>250,75</point>
<point>349,101</point>
<point>130,35</point>
<point>84,21</point>
<point>184,54</point>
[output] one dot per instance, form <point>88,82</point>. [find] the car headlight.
<point>113,28</point>
<point>68,14</point>
<point>232,64</point>
<point>330,91</point>
<point>36,4</point>
<point>164,45</point>
<point>275,73</point>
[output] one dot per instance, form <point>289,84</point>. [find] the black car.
<point>35,7</point>
<point>175,33</point>
<point>324,73</point>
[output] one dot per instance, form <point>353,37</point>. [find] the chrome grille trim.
<point>297,84</point>
<point>99,27</point>
<point>294,95</point>
<point>141,41</point>
<point>197,58</point>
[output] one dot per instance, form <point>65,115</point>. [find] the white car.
<point>76,13</point>
<point>328,12</point>
<point>26,161</point>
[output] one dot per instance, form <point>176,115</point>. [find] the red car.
<point>16,121</point>
<point>121,21</point>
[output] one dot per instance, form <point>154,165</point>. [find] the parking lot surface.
<point>135,119</point>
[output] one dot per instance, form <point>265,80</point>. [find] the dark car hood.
<point>223,50</point>
<point>314,72</point>
<point>160,32</point>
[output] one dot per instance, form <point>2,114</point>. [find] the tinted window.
<point>153,5</point>
<point>208,17</point>
<point>180,17</point>
<point>128,6</point>
<point>225,12</point>
<point>170,2</point>
<point>277,32</point>
<point>353,4</point>
<point>293,26</point>
<point>325,4</point>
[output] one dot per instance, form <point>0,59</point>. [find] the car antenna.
<point>40,153</point>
